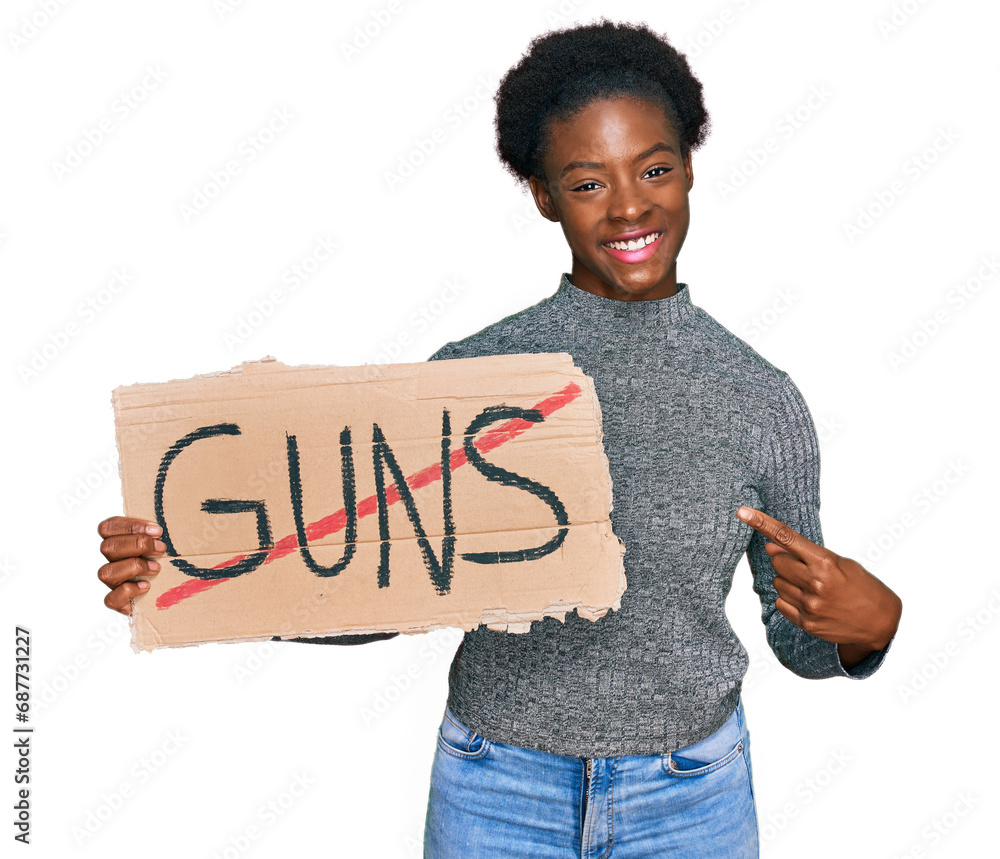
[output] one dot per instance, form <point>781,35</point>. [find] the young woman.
<point>627,737</point>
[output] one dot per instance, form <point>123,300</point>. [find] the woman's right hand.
<point>126,542</point>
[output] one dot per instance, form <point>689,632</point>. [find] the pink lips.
<point>640,255</point>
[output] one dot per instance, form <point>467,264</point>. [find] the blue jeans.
<point>490,799</point>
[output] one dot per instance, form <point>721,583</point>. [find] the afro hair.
<point>565,70</point>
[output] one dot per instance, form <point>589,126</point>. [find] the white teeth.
<point>634,244</point>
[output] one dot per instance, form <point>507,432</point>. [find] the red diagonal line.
<point>338,521</point>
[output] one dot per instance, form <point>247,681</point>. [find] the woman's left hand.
<point>829,596</point>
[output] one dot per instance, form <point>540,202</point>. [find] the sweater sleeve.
<point>789,492</point>
<point>444,352</point>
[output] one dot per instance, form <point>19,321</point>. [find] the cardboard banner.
<point>310,501</point>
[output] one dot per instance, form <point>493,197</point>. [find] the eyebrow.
<point>596,165</point>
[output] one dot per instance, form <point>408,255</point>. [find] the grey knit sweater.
<point>696,424</point>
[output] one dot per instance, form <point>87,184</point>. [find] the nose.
<point>628,201</point>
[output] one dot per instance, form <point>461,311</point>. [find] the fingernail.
<point>154,530</point>
<point>159,546</point>
<point>143,586</point>
<point>153,566</point>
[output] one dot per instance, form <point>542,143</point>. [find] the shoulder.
<point>717,347</point>
<point>745,375</point>
<point>514,333</point>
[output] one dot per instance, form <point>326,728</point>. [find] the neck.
<point>669,309</point>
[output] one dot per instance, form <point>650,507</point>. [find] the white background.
<point>201,738</point>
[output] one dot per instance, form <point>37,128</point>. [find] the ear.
<point>688,170</point>
<point>543,199</point>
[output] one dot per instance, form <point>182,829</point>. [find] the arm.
<point>825,615</point>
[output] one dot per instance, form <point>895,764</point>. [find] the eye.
<point>652,170</point>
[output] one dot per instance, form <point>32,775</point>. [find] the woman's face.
<point>615,173</point>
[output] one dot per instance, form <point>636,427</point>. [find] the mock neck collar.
<point>672,310</point>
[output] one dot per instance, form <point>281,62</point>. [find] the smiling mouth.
<point>634,244</point>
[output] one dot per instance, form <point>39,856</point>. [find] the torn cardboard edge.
<point>497,620</point>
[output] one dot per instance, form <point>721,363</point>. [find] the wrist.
<point>851,654</point>
<point>890,623</point>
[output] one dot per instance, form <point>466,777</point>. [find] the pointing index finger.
<point>792,541</point>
